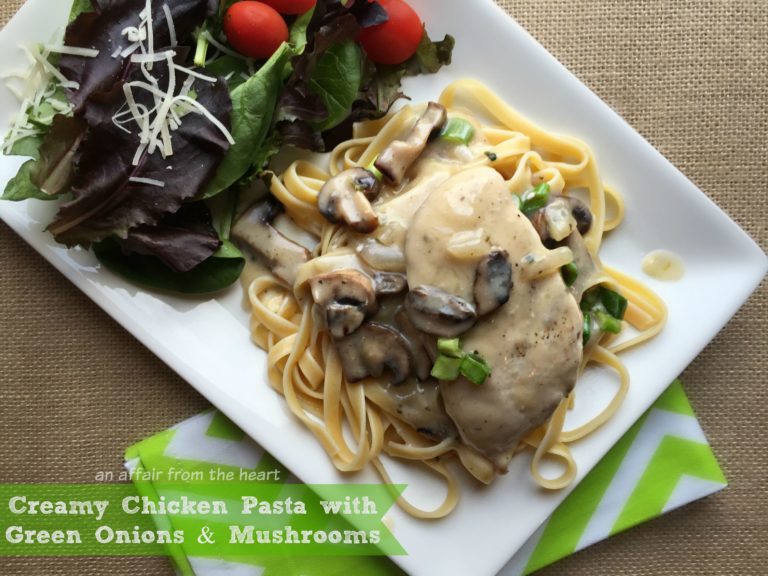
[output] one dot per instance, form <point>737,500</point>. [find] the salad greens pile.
<point>163,219</point>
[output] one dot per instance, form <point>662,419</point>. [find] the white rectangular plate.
<point>207,341</point>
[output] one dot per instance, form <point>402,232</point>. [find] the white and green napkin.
<point>661,463</point>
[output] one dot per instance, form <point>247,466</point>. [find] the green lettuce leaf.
<point>336,80</point>
<point>253,105</point>
<point>20,187</point>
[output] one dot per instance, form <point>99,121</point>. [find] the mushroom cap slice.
<point>343,319</point>
<point>493,281</point>
<point>396,158</point>
<point>254,233</point>
<point>347,296</point>
<point>389,283</point>
<point>437,312</point>
<point>581,213</point>
<point>372,350</point>
<point>346,198</point>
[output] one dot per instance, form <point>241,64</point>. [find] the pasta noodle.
<point>353,422</point>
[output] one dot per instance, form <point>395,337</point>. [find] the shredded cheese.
<point>150,30</point>
<point>42,60</point>
<point>147,181</point>
<point>148,58</point>
<point>153,124</point>
<point>190,72</point>
<point>162,116</point>
<point>72,51</point>
<point>39,84</point>
<point>156,125</point>
<point>130,50</point>
<point>221,48</point>
<point>171,25</point>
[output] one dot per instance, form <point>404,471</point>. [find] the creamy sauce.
<point>532,343</point>
<point>663,265</point>
<point>418,403</point>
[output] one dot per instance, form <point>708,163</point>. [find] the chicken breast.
<point>532,342</point>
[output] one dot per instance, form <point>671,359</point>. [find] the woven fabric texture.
<point>690,76</point>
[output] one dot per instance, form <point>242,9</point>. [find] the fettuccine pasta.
<point>407,330</point>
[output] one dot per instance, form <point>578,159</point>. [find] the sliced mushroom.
<point>493,282</point>
<point>346,198</point>
<point>254,233</point>
<point>422,361</point>
<point>372,350</point>
<point>396,158</point>
<point>437,312</point>
<point>389,283</point>
<point>347,296</point>
<point>581,213</point>
<point>343,319</point>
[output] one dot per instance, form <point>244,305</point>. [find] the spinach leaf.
<point>20,187</point>
<point>253,105</point>
<point>298,31</point>
<point>336,80</point>
<point>213,274</point>
<point>223,207</point>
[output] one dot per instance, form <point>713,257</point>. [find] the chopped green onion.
<point>607,322</point>
<point>458,130</point>
<point>375,171</point>
<point>475,369</point>
<point>569,272</point>
<point>615,304</point>
<point>201,53</point>
<point>446,368</point>
<point>450,347</point>
<point>516,201</point>
<point>491,156</point>
<point>587,330</point>
<point>536,198</point>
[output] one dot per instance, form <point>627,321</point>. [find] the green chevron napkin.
<point>661,463</point>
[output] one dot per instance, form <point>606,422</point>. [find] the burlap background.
<point>691,76</point>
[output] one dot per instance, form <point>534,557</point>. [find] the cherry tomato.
<point>254,29</point>
<point>397,39</point>
<point>291,6</point>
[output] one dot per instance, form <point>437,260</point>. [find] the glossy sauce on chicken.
<point>532,343</point>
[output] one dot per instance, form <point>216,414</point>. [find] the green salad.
<point>151,117</point>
